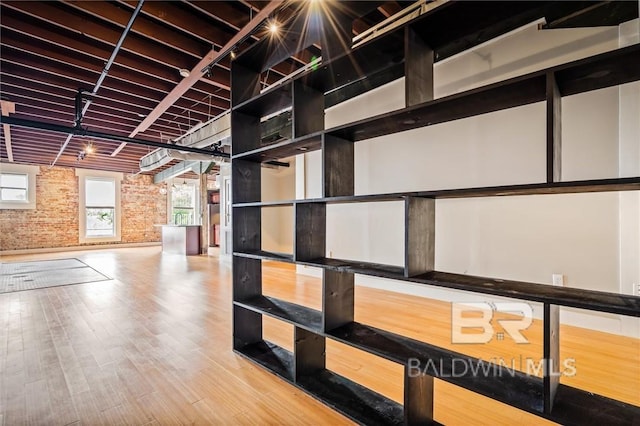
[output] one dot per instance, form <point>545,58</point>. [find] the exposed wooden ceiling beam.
<point>99,30</point>
<point>185,107</point>
<point>197,71</point>
<point>118,105</point>
<point>7,108</point>
<point>21,47</point>
<point>14,22</point>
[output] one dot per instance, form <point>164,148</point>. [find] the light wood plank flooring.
<point>153,346</point>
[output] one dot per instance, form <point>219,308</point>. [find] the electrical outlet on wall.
<point>330,254</point>
<point>557,280</point>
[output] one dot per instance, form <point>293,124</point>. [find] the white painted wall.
<point>277,222</point>
<point>629,163</point>
<point>592,239</point>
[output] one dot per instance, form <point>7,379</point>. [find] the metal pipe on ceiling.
<point>100,135</point>
<point>199,70</point>
<point>103,75</point>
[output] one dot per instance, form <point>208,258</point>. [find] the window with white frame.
<point>183,203</point>
<point>99,206</point>
<point>18,186</point>
<point>14,187</point>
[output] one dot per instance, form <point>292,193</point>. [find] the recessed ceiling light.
<point>142,115</point>
<point>184,72</point>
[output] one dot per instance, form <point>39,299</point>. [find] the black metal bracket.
<point>79,102</point>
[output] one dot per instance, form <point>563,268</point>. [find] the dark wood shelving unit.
<point>571,297</point>
<point>410,51</point>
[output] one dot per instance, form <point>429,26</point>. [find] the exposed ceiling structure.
<point>155,88</point>
<point>49,50</point>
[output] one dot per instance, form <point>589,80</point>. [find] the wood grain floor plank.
<point>62,405</point>
<point>37,403</point>
<point>13,394</point>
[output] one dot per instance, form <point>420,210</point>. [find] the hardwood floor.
<point>153,346</point>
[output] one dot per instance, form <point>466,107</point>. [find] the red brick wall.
<point>55,221</point>
<point>142,207</point>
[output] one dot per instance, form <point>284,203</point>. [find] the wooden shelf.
<point>569,187</point>
<point>268,102</point>
<point>612,68</point>
<point>513,387</point>
<point>577,407</point>
<point>565,296</point>
<point>277,360</point>
<point>265,255</point>
<point>351,399</point>
<point>597,72</point>
<point>283,149</point>
<point>303,317</point>
<point>283,203</point>
<point>365,268</point>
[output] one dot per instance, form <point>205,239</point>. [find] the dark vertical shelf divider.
<point>247,327</point>
<point>247,278</point>
<point>247,136</point>
<point>337,299</point>
<point>309,353</point>
<point>308,110</point>
<point>247,181</point>
<point>418,396</point>
<point>410,51</point>
<point>551,355</point>
<point>337,167</point>
<point>554,130</point>
<point>418,66</point>
<point>245,82</point>
<point>247,229</point>
<point>310,232</point>
<point>419,235</point>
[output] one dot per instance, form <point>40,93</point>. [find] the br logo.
<point>475,318</point>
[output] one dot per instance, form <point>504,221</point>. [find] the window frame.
<point>20,169</point>
<point>83,176</point>
<point>195,184</point>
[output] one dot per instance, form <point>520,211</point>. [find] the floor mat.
<point>22,276</point>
